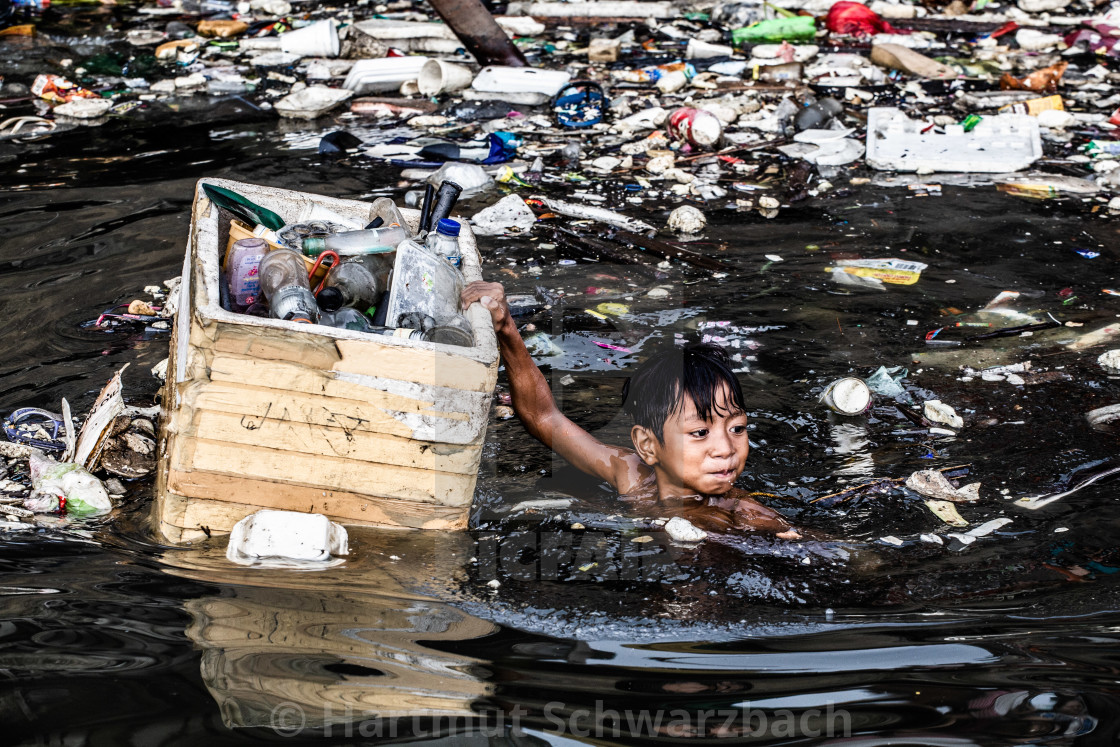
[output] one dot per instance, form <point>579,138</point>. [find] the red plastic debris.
<point>856,19</point>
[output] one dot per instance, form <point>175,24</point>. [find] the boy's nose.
<point>722,445</point>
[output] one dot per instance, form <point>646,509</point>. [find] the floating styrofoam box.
<point>498,79</point>
<point>383,73</point>
<point>286,535</point>
<point>998,144</point>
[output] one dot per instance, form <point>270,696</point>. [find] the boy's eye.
<point>700,433</point>
<point>738,429</point>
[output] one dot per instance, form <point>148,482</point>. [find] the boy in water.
<point>689,434</point>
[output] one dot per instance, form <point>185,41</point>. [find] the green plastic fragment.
<point>796,28</point>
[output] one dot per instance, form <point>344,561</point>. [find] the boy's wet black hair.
<point>660,385</point>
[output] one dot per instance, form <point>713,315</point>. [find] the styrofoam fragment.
<point>998,144</point>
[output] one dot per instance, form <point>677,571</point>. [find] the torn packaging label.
<point>896,271</point>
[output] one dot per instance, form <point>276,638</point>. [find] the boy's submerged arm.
<point>534,405</point>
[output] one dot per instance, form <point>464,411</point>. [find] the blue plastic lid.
<point>448,227</point>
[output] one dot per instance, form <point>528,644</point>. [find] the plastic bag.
<point>856,19</point>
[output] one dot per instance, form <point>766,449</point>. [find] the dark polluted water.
<point>591,636</point>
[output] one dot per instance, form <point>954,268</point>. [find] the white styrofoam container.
<point>998,144</point>
<point>383,73</point>
<point>287,535</point>
<point>497,79</point>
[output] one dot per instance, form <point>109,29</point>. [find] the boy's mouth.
<point>725,474</point>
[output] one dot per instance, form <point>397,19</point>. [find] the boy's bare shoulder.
<point>633,476</point>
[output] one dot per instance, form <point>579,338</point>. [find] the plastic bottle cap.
<point>448,227</point>
<point>330,299</point>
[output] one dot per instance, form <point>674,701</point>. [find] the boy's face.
<point>697,456</point>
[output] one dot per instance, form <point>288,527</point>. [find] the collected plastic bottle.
<point>242,271</point>
<point>390,215</point>
<point>283,278</point>
<point>445,242</point>
<point>352,243</point>
<point>352,285</point>
<point>346,318</point>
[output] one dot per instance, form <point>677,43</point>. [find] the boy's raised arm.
<point>534,405</point>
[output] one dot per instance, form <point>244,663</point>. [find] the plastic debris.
<point>508,213</point>
<point>947,512</point>
<point>65,487</point>
<point>311,102</point>
<point>1006,142</point>
<point>967,538</point>
<point>285,536</point>
<point>687,219</point>
<point>1110,360</point>
<point>886,381</point>
<point>931,483</point>
<point>1033,503</point>
<point>897,57</point>
<point>684,531</point>
<point>847,396</point>
<point>893,271</point>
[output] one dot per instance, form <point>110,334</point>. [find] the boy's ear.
<point>645,444</point>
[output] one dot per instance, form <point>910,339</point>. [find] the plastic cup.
<point>438,77</point>
<point>848,396</point>
<point>317,40</point>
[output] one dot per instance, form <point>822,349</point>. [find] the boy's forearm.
<point>529,391</point>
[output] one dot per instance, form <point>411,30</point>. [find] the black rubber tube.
<point>446,197</point>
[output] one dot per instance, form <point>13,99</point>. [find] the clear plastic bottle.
<point>351,243</point>
<point>350,284</point>
<point>242,268</point>
<point>390,215</point>
<point>346,318</point>
<point>444,242</point>
<point>283,277</point>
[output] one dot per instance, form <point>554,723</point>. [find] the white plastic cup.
<point>317,40</point>
<point>438,76</point>
<point>848,396</point>
<point>672,81</point>
<point>698,50</point>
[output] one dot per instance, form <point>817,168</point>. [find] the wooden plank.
<point>324,473</point>
<point>280,430</point>
<point>220,501</point>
